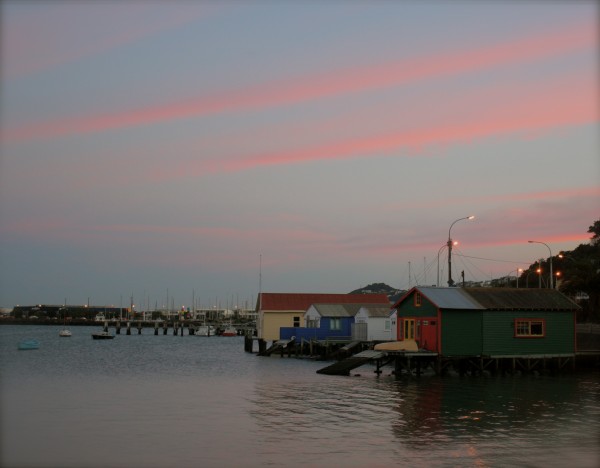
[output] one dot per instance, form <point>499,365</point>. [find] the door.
<point>409,329</point>
<point>428,338</point>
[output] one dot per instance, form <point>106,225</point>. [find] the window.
<point>312,323</point>
<point>387,325</point>
<point>530,328</point>
<point>296,322</point>
<point>336,324</point>
<point>418,299</point>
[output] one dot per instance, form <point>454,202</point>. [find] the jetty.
<point>345,366</point>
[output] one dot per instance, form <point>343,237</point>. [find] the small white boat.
<point>102,336</point>
<point>205,330</point>
<point>65,332</point>
<point>229,331</point>
<point>28,344</point>
<point>99,317</point>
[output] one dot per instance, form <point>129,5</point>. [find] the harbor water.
<point>189,401</point>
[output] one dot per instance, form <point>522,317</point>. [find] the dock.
<point>416,362</point>
<point>345,366</point>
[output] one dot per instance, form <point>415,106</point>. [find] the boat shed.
<point>488,322</point>
<point>277,310</point>
<point>373,323</point>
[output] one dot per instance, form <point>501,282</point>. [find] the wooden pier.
<point>346,365</point>
<point>416,363</point>
<point>178,328</point>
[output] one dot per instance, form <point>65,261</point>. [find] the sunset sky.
<point>207,148</point>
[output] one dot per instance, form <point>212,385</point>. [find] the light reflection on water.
<point>196,401</point>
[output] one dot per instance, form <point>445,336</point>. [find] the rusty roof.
<point>523,298</point>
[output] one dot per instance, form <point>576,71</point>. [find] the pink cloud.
<point>500,113</point>
<point>536,47</point>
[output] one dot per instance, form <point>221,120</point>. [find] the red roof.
<point>302,301</point>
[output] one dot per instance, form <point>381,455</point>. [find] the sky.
<point>205,151</point>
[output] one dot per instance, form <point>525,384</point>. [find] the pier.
<point>348,355</point>
<point>137,327</point>
<point>416,363</point>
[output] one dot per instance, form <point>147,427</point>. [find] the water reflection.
<point>436,407</point>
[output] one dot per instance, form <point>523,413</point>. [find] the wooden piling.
<point>128,328</point>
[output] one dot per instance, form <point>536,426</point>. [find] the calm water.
<point>160,401</point>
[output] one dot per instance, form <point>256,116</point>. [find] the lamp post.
<point>518,271</point>
<point>551,284</point>
<point>449,244</point>
<point>438,262</point>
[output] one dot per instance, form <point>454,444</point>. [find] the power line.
<point>493,259</point>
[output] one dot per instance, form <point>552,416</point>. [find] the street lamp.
<point>518,271</point>
<point>551,285</point>
<point>449,244</point>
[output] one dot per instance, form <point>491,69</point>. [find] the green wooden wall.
<point>498,333</point>
<point>461,332</point>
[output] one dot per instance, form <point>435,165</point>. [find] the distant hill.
<point>380,288</point>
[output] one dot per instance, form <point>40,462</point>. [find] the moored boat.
<point>65,332</point>
<point>102,336</point>
<point>204,330</point>
<point>229,331</point>
<point>28,344</point>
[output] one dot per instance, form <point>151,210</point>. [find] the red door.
<point>428,338</point>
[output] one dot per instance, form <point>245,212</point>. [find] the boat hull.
<point>28,345</point>
<point>204,330</point>
<point>102,336</point>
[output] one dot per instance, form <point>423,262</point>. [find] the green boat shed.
<point>488,322</point>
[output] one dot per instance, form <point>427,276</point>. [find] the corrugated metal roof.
<point>523,298</point>
<point>378,311</point>
<point>495,298</point>
<point>302,301</point>
<point>450,298</point>
<point>338,310</point>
